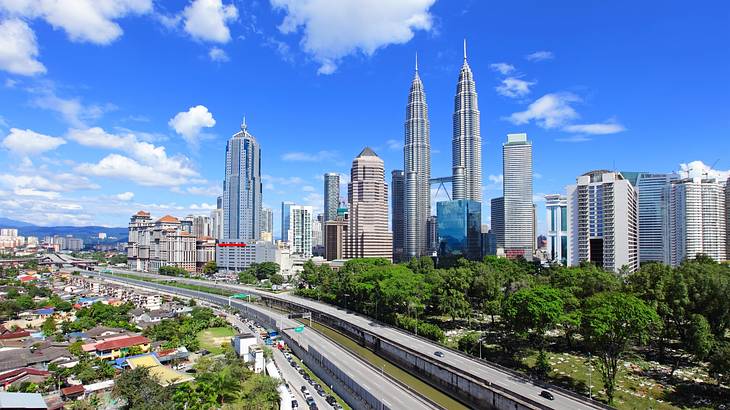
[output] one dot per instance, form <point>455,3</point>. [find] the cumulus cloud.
<point>18,49</point>
<point>603,128</point>
<point>73,111</point>
<point>189,123</point>
<point>27,142</point>
<point>44,184</point>
<point>124,196</point>
<point>147,165</point>
<point>514,87</point>
<point>574,138</point>
<point>502,68</point>
<point>698,169</point>
<point>333,29</point>
<point>207,20</point>
<point>82,20</point>
<point>540,56</point>
<point>309,157</point>
<point>218,55</point>
<point>549,111</point>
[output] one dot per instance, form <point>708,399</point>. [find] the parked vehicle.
<point>438,353</point>
<point>546,394</point>
<point>294,404</point>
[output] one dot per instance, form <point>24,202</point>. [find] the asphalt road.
<point>371,380</point>
<point>468,365</point>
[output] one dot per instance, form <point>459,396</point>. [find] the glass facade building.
<point>556,206</point>
<point>459,225</point>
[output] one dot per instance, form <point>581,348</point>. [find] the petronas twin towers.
<point>466,157</point>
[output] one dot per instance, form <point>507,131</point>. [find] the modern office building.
<point>432,235</point>
<point>242,187</point>
<point>300,230</point>
<point>285,220</point>
<point>697,219</point>
<point>318,235</point>
<point>603,221</point>
<point>331,195</point>
<point>397,214</point>
<point>416,170</point>
<point>459,228</point>
<point>727,217</point>
<point>201,226</point>
<point>334,238</point>
<point>467,142</point>
<point>236,256</point>
<point>216,223</point>
<point>267,220</point>
<point>367,232</point>
<point>556,207</point>
<point>497,215</point>
<point>519,230</point>
<point>653,214</point>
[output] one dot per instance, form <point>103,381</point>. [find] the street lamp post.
<point>590,376</point>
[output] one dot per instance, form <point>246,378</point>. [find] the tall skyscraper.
<point>727,218</point>
<point>216,223</point>
<point>603,221</point>
<point>367,234</point>
<point>697,219</point>
<point>467,142</point>
<point>201,226</point>
<point>556,206</point>
<point>267,220</point>
<point>519,235</point>
<point>497,213</point>
<point>242,187</point>
<point>285,220</point>
<point>300,230</point>
<point>653,215</point>
<point>397,186</point>
<point>331,195</point>
<point>417,170</point>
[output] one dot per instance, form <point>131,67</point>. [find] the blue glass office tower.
<point>242,187</point>
<point>459,228</point>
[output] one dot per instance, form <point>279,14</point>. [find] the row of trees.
<point>261,271</point>
<point>221,382</point>
<point>677,315</point>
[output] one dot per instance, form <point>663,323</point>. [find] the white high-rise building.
<point>201,226</point>
<point>519,235</point>
<point>242,187</point>
<point>603,221</point>
<point>416,171</point>
<point>367,233</point>
<point>267,220</point>
<point>216,224</point>
<point>556,206</point>
<point>697,219</point>
<point>466,144</point>
<point>654,216</point>
<point>300,230</point>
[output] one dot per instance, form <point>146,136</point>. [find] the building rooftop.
<point>169,219</point>
<point>22,401</point>
<point>367,152</point>
<point>122,342</point>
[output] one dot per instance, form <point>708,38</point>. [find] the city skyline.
<point>104,152</point>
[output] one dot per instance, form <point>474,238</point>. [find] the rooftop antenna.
<point>464,49</point>
<point>416,61</point>
<point>244,127</point>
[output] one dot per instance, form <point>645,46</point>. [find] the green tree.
<point>49,326</point>
<point>210,268</point>
<point>276,279</point>
<point>720,363</point>
<point>140,390</point>
<point>531,312</point>
<point>247,278</point>
<point>612,323</point>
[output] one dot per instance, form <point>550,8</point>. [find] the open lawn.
<point>211,339</point>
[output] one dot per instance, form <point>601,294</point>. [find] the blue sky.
<point>115,106</point>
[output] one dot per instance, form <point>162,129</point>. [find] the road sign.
<point>299,329</point>
<point>240,296</point>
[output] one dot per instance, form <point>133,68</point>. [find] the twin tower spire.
<point>466,157</point>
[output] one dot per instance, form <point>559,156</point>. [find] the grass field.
<point>211,339</point>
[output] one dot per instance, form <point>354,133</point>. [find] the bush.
<point>425,329</point>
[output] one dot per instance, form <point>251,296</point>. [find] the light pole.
<point>590,376</point>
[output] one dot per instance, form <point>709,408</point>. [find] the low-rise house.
<point>25,401</point>
<point>19,376</point>
<point>73,392</point>
<point>241,344</point>
<point>116,347</point>
<point>104,332</point>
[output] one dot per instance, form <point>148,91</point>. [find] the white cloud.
<point>82,20</point>
<point>502,68</point>
<point>308,188</point>
<point>609,127</point>
<point>218,55</point>
<point>149,164</point>
<point>573,138</point>
<point>206,20</point>
<point>698,169</point>
<point>540,56</point>
<point>44,184</point>
<point>549,111</point>
<point>394,145</point>
<point>72,110</point>
<point>309,157</point>
<point>18,49</point>
<point>189,123</point>
<point>333,29</point>
<point>514,87</point>
<point>212,190</point>
<point>124,196</point>
<point>27,142</point>
<point>202,206</point>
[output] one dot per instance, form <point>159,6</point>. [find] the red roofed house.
<point>73,392</point>
<point>25,374</point>
<point>116,347</point>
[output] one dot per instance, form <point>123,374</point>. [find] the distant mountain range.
<point>90,234</point>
